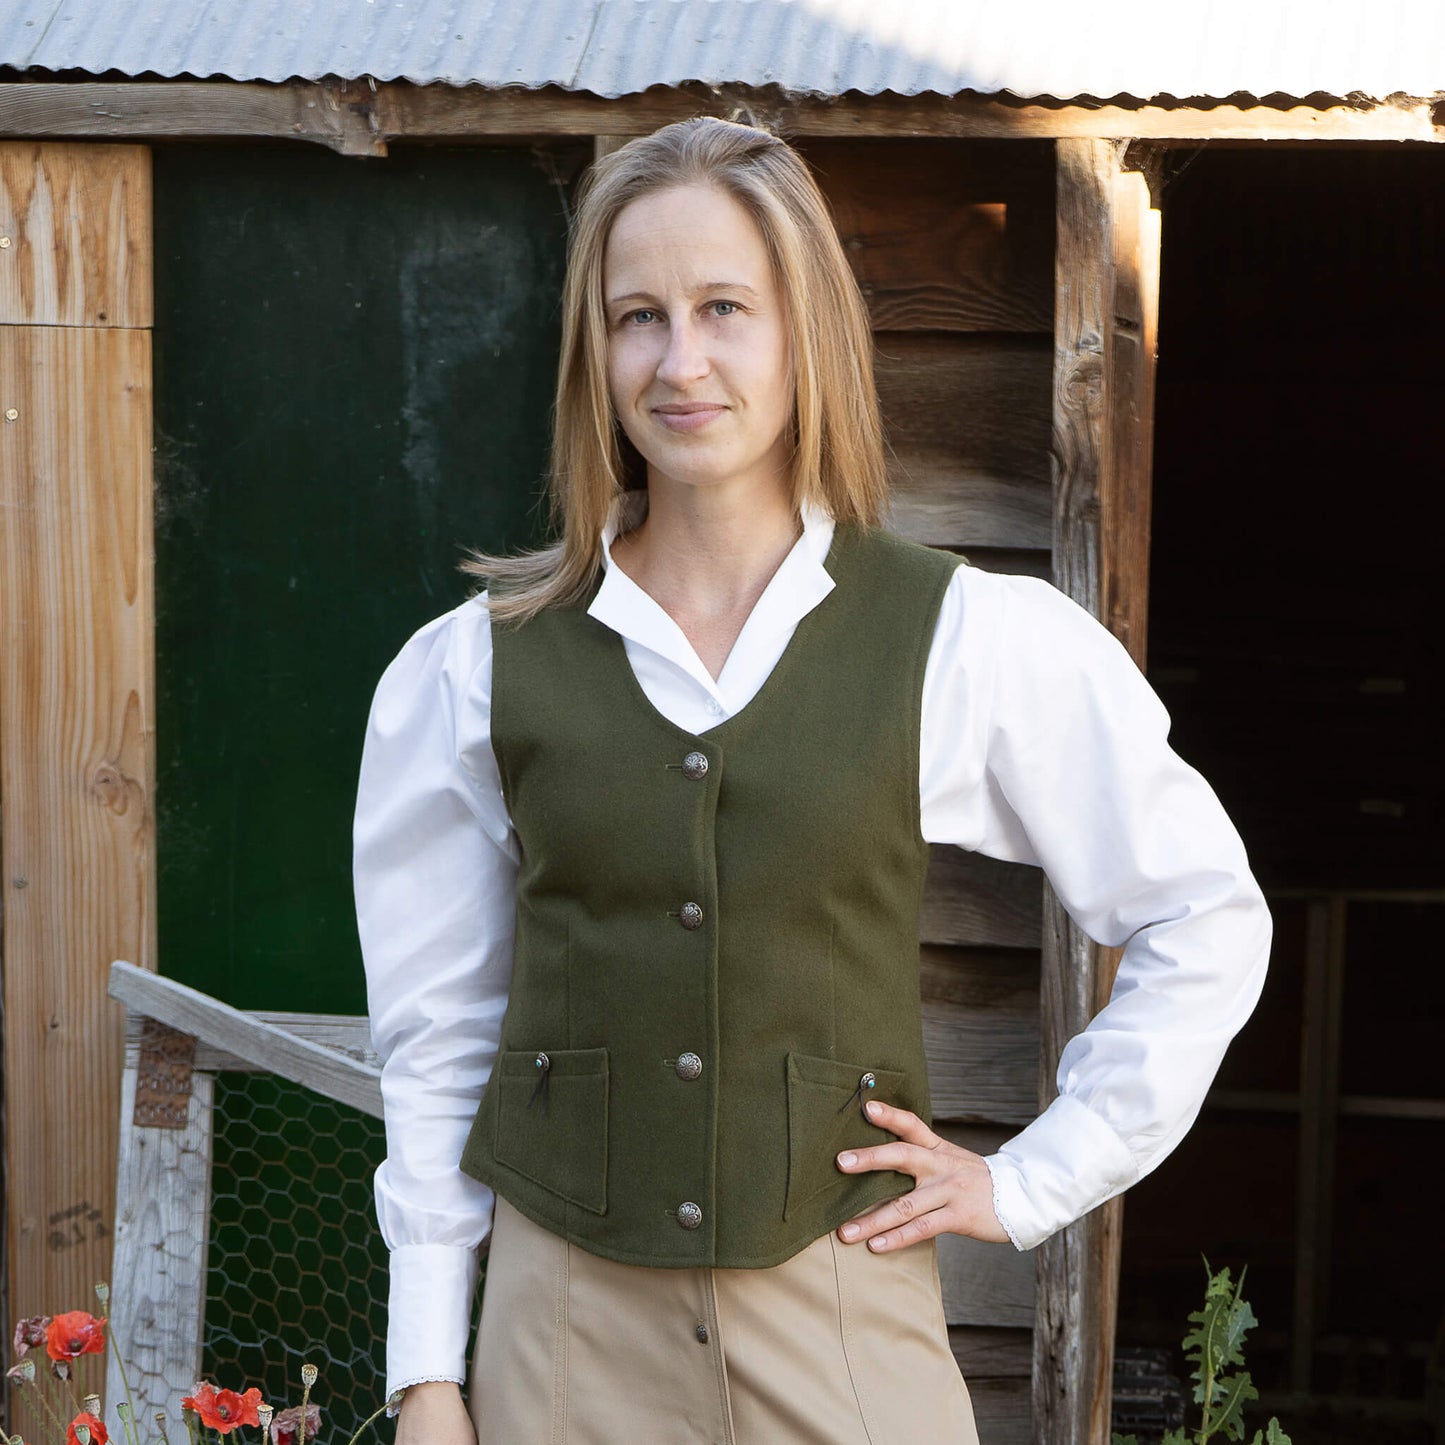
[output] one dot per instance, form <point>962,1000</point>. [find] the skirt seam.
<point>845,1308</point>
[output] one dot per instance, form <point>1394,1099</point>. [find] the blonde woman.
<point>640,843</point>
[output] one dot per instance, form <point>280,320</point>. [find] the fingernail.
<point>847,1160</point>
<point>878,1241</point>
<point>850,1231</point>
<point>874,1107</point>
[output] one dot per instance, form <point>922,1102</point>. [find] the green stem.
<point>130,1425</point>
<point>369,1420</point>
<point>49,1410</point>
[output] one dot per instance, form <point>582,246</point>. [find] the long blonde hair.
<point>838,438</point>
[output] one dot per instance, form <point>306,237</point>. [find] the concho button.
<point>689,1215</point>
<point>694,766</point>
<point>689,1066</point>
<point>701,1333</point>
<point>691,916</point>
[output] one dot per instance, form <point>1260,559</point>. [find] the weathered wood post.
<point>1105,342</point>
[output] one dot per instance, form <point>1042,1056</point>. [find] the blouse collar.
<point>799,585</point>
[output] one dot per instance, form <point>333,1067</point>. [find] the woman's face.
<point>698,354</point>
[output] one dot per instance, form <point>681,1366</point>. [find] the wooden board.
<point>325,1070</point>
<point>973,901</point>
<point>353,119</point>
<point>77,753</point>
<point>1002,1411</point>
<point>992,1351</point>
<point>77,220</point>
<point>158,1271</point>
<point>981,1033</point>
<point>967,421</point>
<point>945,236</point>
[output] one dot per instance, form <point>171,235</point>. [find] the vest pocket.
<point>825,1116</point>
<point>552,1122</point>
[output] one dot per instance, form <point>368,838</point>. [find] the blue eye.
<point>730,306</point>
<point>643,316</point>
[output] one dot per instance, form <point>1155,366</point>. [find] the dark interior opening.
<point>1292,635</point>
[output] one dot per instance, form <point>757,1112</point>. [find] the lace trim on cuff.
<point>1008,1229</point>
<point>393,1410</point>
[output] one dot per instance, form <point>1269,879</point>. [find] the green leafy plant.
<point>1222,1386</point>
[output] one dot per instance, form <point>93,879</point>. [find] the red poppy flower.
<point>224,1410</point>
<point>73,1334</point>
<point>98,1432</point>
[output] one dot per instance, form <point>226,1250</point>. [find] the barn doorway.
<point>1292,634</point>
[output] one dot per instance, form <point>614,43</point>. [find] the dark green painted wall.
<point>354,365</point>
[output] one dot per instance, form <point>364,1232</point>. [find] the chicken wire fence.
<point>297,1269</point>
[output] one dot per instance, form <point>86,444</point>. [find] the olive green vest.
<point>717,933</point>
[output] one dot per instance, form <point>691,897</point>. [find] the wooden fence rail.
<point>177,1039</point>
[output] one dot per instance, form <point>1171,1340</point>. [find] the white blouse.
<point>1041,743</point>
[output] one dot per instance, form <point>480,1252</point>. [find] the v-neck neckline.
<point>718,731</point>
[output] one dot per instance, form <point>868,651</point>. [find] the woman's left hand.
<point>953,1190</point>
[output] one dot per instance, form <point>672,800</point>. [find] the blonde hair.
<point>838,452</point>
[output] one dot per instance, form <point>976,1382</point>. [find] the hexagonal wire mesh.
<point>297,1268</point>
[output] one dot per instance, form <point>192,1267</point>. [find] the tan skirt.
<point>836,1345</point>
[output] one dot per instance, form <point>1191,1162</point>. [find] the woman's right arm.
<point>435,865</point>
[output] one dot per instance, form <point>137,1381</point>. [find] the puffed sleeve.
<point>435,867</point>
<point>1043,744</point>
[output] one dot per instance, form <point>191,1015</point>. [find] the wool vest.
<point>716,957</point>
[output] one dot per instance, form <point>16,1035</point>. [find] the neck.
<point>706,557</point>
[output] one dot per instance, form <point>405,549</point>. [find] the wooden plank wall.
<point>76,691</point>
<point>953,245</point>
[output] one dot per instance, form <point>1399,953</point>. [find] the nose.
<point>684,361</point>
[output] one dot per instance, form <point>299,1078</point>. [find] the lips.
<point>688,415</point>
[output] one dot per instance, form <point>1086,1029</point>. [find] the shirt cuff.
<point>433,1288</point>
<point>1067,1162</point>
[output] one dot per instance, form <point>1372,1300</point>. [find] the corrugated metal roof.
<point>1061,48</point>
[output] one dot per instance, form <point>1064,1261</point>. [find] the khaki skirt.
<point>836,1345</point>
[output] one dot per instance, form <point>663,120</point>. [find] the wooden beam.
<point>157,1273</point>
<point>355,118</point>
<point>1106,285</point>
<point>1128,456</point>
<point>77,755</point>
<point>336,1075</point>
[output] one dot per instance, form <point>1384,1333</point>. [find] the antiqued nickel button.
<point>701,1333</point>
<point>689,1215</point>
<point>691,916</point>
<point>694,766</point>
<point>689,1066</point>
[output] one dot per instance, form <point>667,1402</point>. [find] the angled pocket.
<point>552,1122</point>
<point>825,1116</point>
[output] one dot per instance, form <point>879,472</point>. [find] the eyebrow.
<point>696,291</point>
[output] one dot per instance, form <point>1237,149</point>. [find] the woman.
<point>640,844</point>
